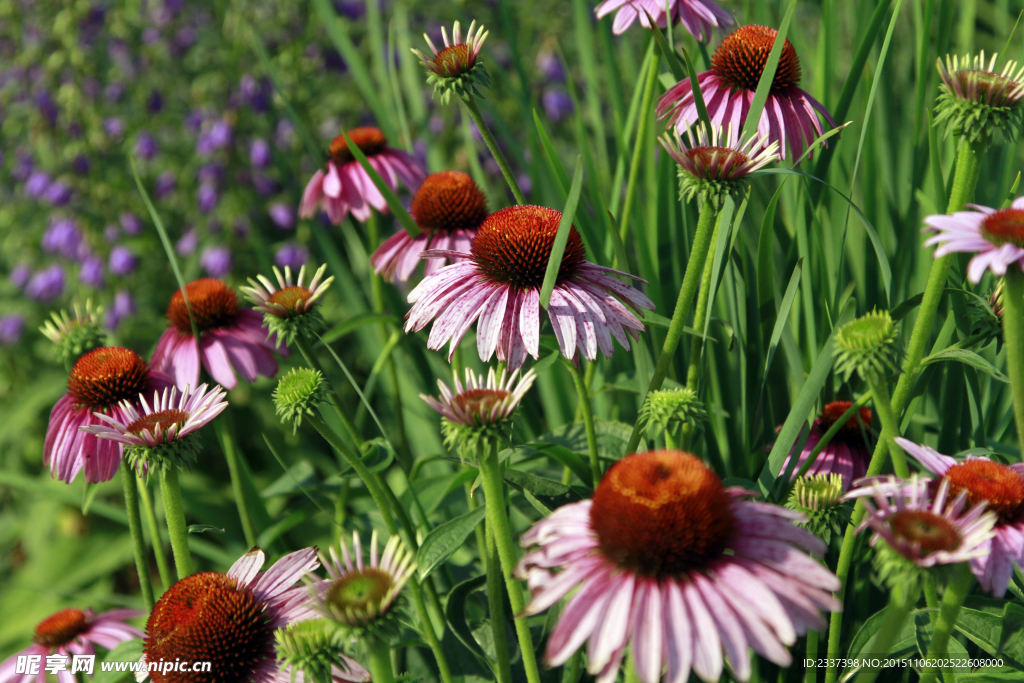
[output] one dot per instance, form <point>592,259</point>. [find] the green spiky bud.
<point>312,646</point>
<point>456,68</point>
<point>76,334</point>
<point>974,100</point>
<point>181,453</point>
<point>668,408</point>
<point>866,346</point>
<point>819,498</point>
<point>298,393</point>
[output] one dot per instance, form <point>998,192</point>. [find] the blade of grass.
<point>396,207</point>
<point>562,236</point>
<point>768,75</point>
<point>698,96</point>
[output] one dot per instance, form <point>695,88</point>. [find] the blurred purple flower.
<point>525,183</point>
<point>47,107</point>
<point>63,237</point>
<point>91,273</point>
<point>184,38</point>
<point>194,121</point>
<point>150,36</point>
<point>123,307</point>
<point>256,92</point>
<point>166,183</point>
<point>75,130</point>
<point>188,242</point>
<point>265,185</point>
<point>111,232</point>
<point>207,197</point>
<point>210,173</point>
<point>351,9</point>
<point>214,227</point>
<point>155,103</point>
<point>216,261</point>
<point>217,137</point>
<point>23,169</point>
<point>333,61</point>
<point>113,92</point>
<point>80,164</point>
<point>241,229</point>
<point>551,67</point>
<point>131,224</point>
<point>146,146</point>
<point>292,255</point>
<point>11,328</point>
<point>123,261</point>
<point>36,184</point>
<point>46,285</point>
<point>57,194</point>
<point>283,215</point>
<point>113,127</point>
<point>284,134</point>
<point>557,103</point>
<point>19,275</point>
<point>259,153</point>
<point>436,124</point>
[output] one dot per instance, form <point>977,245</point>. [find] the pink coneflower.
<point>698,16</point>
<point>347,187</point>
<point>449,207</point>
<point>499,282</point>
<point>99,382</point>
<point>229,620</point>
<point>72,632</point>
<point>481,401</point>
<point>291,297</point>
<point>1002,488</point>
<point>230,338</point>
<point>846,454</point>
<point>790,115</point>
<point>926,533</point>
<point>684,571</point>
<point>995,235</point>
<point>457,57</point>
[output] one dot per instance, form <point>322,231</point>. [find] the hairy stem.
<point>154,531</point>
<point>492,144</point>
<point>1013,332</point>
<point>170,491</point>
<point>901,602</point>
<point>378,660</point>
<point>311,360</point>
<point>588,420</point>
<point>496,607</point>
<point>131,506</point>
<point>952,600</point>
<point>235,469</point>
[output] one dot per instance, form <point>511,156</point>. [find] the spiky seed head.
<point>667,408</point>
<point>312,646</point>
<point>819,498</point>
<point>298,393</point>
<point>77,333</point>
<point>867,346</point>
<point>456,68</point>
<point>975,100</point>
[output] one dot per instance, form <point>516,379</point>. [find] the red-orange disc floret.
<point>513,246</point>
<point>1005,225</point>
<point>368,139</point>
<point>449,200</point>
<point>106,376</point>
<point>61,628</point>
<point>453,60</point>
<point>998,485</point>
<point>742,55</point>
<point>850,432</point>
<point>209,617</point>
<point>661,513</point>
<point>706,155</point>
<point>213,303</point>
<point>159,422</point>
<point>929,531</point>
<point>480,402</point>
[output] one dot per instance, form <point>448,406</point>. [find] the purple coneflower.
<point>846,454</point>
<point>457,67</point>
<point>100,382</point>
<point>698,16</point>
<point>72,632</point>
<point>499,282</point>
<point>1002,488</point>
<point>229,620</point>
<point>790,116</point>
<point>449,207</point>
<point>230,338</point>
<point>291,297</point>
<point>668,561</point>
<point>347,187</point>
<point>481,401</point>
<point>996,236</point>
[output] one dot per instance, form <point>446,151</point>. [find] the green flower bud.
<point>866,346</point>
<point>975,100</point>
<point>668,408</point>
<point>456,68</point>
<point>75,335</point>
<point>312,646</point>
<point>298,393</point>
<point>820,498</point>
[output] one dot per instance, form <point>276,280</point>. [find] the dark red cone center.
<point>213,303</point>
<point>106,376</point>
<point>743,54</point>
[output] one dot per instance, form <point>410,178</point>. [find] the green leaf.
<point>678,71</point>
<point>354,323</point>
<point>550,493</point>
<point>567,458</point>
<point>766,266</point>
<point>455,613</point>
<point>401,215</point>
<point>986,631</point>
<point>299,475</point>
<point>862,640</point>
<point>562,236</point>
<point>780,323</point>
<point>767,75</point>
<point>203,528</point>
<point>126,651</point>
<point>968,357</point>
<point>698,96</point>
<point>444,540</point>
<point>612,438</point>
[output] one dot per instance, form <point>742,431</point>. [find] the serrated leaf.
<point>444,540</point>
<point>455,613</point>
<point>968,357</point>
<point>548,492</point>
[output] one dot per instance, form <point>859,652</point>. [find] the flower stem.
<point>901,602</point>
<point>700,317</point>
<point>131,506</point>
<point>890,425</point>
<point>1013,332</point>
<point>170,490</point>
<point>378,660</point>
<point>968,165</point>
<point>497,519</point>
<point>496,607</point>
<point>154,531</point>
<point>640,147</point>
<point>952,600</point>
<point>588,420</point>
<point>311,360</point>
<point>684,304</point>
<point>810,654</point>
<point>227,443</point>
<point>492,144</point>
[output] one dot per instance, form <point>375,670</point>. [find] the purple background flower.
<point>11,328</point>
<point>216,261</point>
<point>47,285</point>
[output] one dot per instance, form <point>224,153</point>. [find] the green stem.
<point>154,531</point>
<point>968,165</point>
<point>952,600</point>
<point>1013,332</point>
<point>811,672</point>
<point>378,660</point>
<point>640,148</point>
<point>497,519</point>
<point>234,468</point>
<point>890,425</point>
<point>496,606</point>
<point>170,491</point>
<point>131,506</point>
<point>700,317</point>
<point>492,144</point>
<point>901,602</point>
<point>684,304</point>
<point>588,420</point>
<point>311,360</point>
